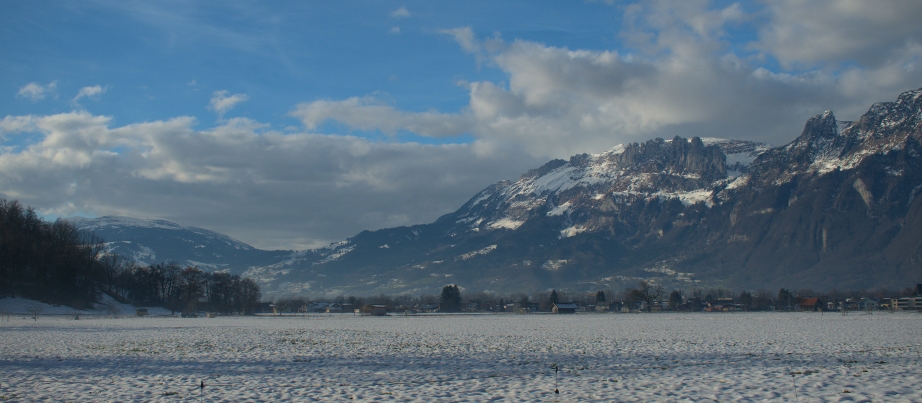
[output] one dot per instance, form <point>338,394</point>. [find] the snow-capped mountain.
<point>155,241</point>
<point>835,208</point>
<point>583,189</point>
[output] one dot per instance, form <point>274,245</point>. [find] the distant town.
<point>646,297</point>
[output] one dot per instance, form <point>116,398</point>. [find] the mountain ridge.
<point>834,208</point>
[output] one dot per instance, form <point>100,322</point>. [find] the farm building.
<point>564,307</point>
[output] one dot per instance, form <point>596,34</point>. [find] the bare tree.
<point>35,310</point>
<point>113,309</point>
<point>648,292</point>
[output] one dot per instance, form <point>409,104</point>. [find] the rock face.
<point>835,208</point>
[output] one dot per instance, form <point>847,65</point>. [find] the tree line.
<point>58,264</point>
<point>185,289</point>
<point>645,295</point>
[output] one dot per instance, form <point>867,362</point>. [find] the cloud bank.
<point>679,74</point>
<point>680,68</point>
<point>270,189</point>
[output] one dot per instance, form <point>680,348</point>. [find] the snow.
<point>106,307</point>
<point>506,222</point>
<point>560,210</point>
<point>690,198</point>
<point>116,222</point>
<point>483,251</point>
<point>572,231</point>
<point>758,357</point>
<point>554,264</point>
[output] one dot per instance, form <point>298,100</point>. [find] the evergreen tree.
<point>675,299</point>
<point>450,300</point>
<point>746,300</point>
<point>599,297</point>
<point>785,300</point>
<point>554,299</point>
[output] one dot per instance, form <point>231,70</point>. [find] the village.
<point>637,300</point>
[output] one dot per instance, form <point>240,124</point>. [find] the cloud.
<point>394,30</point>
<point>371,114</point>
<point>676,69</point>
<point>267,188</point>
<point>36,92</point>
<point>401,12</point>
<point>680,72</point>
<point>832,32</point>
<point>465,37</point>
<point>221,102</point>
<point>89,92</point>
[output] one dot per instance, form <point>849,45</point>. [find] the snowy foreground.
<point>602,357</point>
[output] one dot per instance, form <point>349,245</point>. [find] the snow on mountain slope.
<point>157,241</point>
<point>685,170</point>
<point>117,223</point>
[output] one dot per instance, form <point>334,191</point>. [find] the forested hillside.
<point>59,264</point>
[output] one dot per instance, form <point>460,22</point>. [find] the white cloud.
<point>267,188</point>
<point>678,75</point>
<point>370,114</point>
<point>36,92</point>
<point>808,33</point>
<point>465,37</point>
<point>675,72</point>
<point>401,12</point>
<point>394,30</point>
<point>90,92</point>
<point>221,102</point>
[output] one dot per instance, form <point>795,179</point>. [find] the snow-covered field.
<point>784,357</point>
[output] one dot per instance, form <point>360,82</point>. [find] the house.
<point>428,308</point>
<point>317,307</point>
<point>564,307</point>
<point>809,304</point>
<point>334,308</point>
<point>724,301</point>
<point>713,308</point>
<point>906,303</point>
<point>378,310</point>
<point>866,304</point>
<point>142,311</point>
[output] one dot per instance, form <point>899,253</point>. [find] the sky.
<point>291,124</point>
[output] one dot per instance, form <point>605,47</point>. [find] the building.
<point>564,307</point>
<point>809,304</point>
<point>378,310</point>
<point>906,303</point>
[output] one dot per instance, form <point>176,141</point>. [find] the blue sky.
<point>292,124</point>
<point>166,59</point>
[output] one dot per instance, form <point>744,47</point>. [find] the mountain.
<point>835,208</point>
<point>150,242</point>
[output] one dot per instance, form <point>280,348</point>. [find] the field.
<point>784,357</point>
